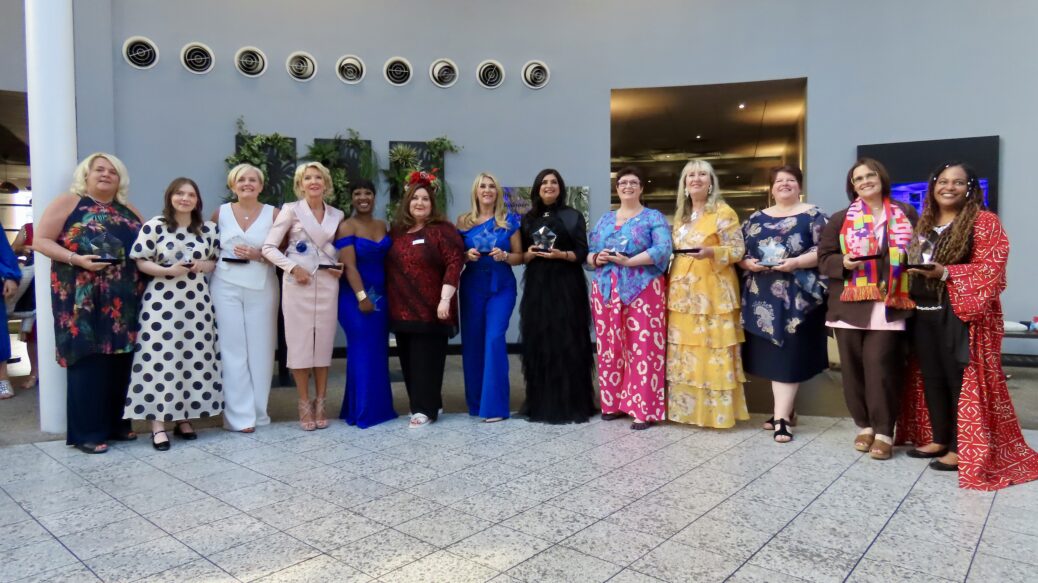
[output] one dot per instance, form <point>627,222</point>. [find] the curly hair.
<point>955,243</point>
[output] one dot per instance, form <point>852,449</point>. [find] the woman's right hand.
<point>601,258</point>
<point>87,262</point>
<point>366,306</point>
<point>850,264</point>
<point>751,264</point>
<point>300,275</point>
<point>472,255</point>
<point>177,269</point>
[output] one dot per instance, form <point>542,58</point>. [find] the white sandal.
<point>6,392</point>
<point>418,420</point>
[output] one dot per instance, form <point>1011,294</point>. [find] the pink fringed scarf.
<point>857,237</point>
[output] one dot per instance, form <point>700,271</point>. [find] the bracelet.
<point>445,299</point>
<point>361,295</point>
<point>945,275</point>
<point>71,254</point>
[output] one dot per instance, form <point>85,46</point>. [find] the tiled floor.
<point>512,501</point>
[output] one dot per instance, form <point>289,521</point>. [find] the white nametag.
<point>418,242</point>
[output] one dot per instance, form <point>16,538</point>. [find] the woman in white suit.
<point>245,295</point>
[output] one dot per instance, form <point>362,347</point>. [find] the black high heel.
<point>163,446</point>
<point>782,430</point>
<point>186,435</point>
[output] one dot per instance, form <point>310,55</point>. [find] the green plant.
<point>341,155</point>
<point>274,154</point>
<point>405,159</point>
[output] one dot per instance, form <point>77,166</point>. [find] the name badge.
<point>418,242</point>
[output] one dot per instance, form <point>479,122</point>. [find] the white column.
<point>50,73</point>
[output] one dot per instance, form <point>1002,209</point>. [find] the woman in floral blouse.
<point>704,368</point>
<point>629,249</point>
<point>96,295</point>
<point>782,294</point>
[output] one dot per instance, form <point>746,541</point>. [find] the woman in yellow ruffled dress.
<point>704,367</point>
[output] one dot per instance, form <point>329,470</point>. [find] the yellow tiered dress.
<point>704,367</point>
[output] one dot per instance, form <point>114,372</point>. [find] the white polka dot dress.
<point>176,365</point>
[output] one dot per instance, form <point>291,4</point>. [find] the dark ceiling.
<point>14,128</point>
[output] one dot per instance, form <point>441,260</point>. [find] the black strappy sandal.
<point>770,423</point>
<point>782,430</point>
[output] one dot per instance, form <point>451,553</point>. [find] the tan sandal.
<point>321,421</point>
<point>864,441</point>
<point>306,415</point>
<point>880,450</point>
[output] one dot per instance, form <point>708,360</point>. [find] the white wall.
<point>881,71</point>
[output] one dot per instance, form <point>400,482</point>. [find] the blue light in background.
<point>914,193</point>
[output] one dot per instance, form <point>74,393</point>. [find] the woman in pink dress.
<point>310,287</point>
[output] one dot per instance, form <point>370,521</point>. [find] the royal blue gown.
<point>488,292</point>
<point>369,399</point>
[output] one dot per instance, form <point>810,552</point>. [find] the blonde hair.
<point>469,219</point>
<point>684,209</point>
<point>240,169</point>
<point>297,182</point>
<point>79,175</point>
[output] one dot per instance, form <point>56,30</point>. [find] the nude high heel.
<point>321,422</point>
<point>306,415</point>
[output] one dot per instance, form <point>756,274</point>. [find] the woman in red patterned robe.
<point>975,429</point>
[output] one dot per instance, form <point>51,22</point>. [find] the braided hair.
<point>955,243</point>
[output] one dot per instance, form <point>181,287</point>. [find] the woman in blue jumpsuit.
<point>488,292</point>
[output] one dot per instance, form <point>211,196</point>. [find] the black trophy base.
<point>107,260</point>
<point>542,250</point>
<point>921,266</point>
<point>770,263</point>
<point>330,266</point>
<point>690,250</point>
<point>233,260</point>
<point>866,257</point>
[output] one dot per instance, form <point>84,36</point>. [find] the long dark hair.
<point>537,206</point>
<point>169,215</point>
<point>404,219</point>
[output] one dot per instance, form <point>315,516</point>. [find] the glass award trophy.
<point>374,296</point>
<point>920,255</point>
<point>544,239</point>
<point>231,243</point>
<point>619,246</point>
<point>772,253</point>
<point>184,253</point>
<point>325,261</point>
<point>108,249</point>
<point>484,241</point>
<point>866,250</point>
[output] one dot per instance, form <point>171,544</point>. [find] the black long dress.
<point>555,324</point>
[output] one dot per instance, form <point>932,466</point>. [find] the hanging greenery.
<point>274,154</point>
<point>408,157</point>
<point>345,158</point>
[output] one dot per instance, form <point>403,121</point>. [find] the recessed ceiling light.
<point>699,137</point>
<point>742,106</point>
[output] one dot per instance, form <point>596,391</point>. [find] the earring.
<point>710,190</point>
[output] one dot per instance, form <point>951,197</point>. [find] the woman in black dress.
<point>555,316</point>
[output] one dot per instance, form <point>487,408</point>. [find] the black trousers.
<point>873,365</point>
<point>97,387</point>
<point>942,374</point>
<point>422,358</point>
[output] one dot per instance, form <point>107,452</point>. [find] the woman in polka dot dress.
<point>176,365</point>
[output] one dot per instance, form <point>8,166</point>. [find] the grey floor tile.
<point>289,465</point>
<point>105,511</point>
<point>563,564</point>
<point>536,486</point>
<point>263,556</point>
<point>1016,519</point>
<point>333,531</point>
<point>625,483</point>
<point>184,516</point>
<point>257,495</point>
<point>491,473</point>
<point>440,566</point>
<point>75,573</point>
<point>33,559</point>
<point>498,547</point>
<point>990,568</point>
<point>382,552</point>
<point>591,501</point>
<point>142,560</point>
<point>26,532</point>
<point>317,569</point>
<point>337,454</point>
<point>677,563</point>
<point>549,522</point>
<point>294,511</point>
<point>200,570</point>
<point>942,528</point>
<point>447,489</point>
<point>873,571</point>
<point>396,508</point>
<point>12,513</point>
<point>752,515</point>
<point>611,542</point>
<point>716,536</point>
<point>164,495</point>
<point>700,479</point>
<point>632,576</point>
<point>940,560</point>
<point>224,534</point>
<point>848,535</point>
<point>54,502</point>
<point>307,441</point>
<point>443,527</point>
<point>750,573</point>
<point>1009,545</point>
<point>494,506</point>
<point>813,563</point>
<point>111,537</point>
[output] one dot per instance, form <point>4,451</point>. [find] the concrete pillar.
<point>51,81</point>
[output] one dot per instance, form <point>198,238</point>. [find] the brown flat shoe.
<point>864,441</point>
<point>880,450</point>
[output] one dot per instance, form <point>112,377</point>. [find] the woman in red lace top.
<point>423,268</point>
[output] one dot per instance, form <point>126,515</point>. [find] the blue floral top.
<point>495,275</point>
<point>646,231</point>
<point>774,303</point>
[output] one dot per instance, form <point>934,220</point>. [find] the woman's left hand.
<point>10,287</point>
<point>202,266</point>
<point>704,253</point>
<point>498,255</point>
<point>935,273</point>
<point>617,258</point>
<point>247,252</point>
<point>443,310</point>
<point>788,265</point>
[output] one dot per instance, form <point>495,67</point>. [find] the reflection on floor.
<point>462,500</point>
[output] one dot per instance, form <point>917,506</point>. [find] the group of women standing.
<point>675,321</point>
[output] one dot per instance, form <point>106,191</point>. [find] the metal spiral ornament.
<point>197,58</point>
<point>397,71</point>
<point>350,69</point>
<point>490,74</point>
<point>140,52</point>
<point>250,61</point>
